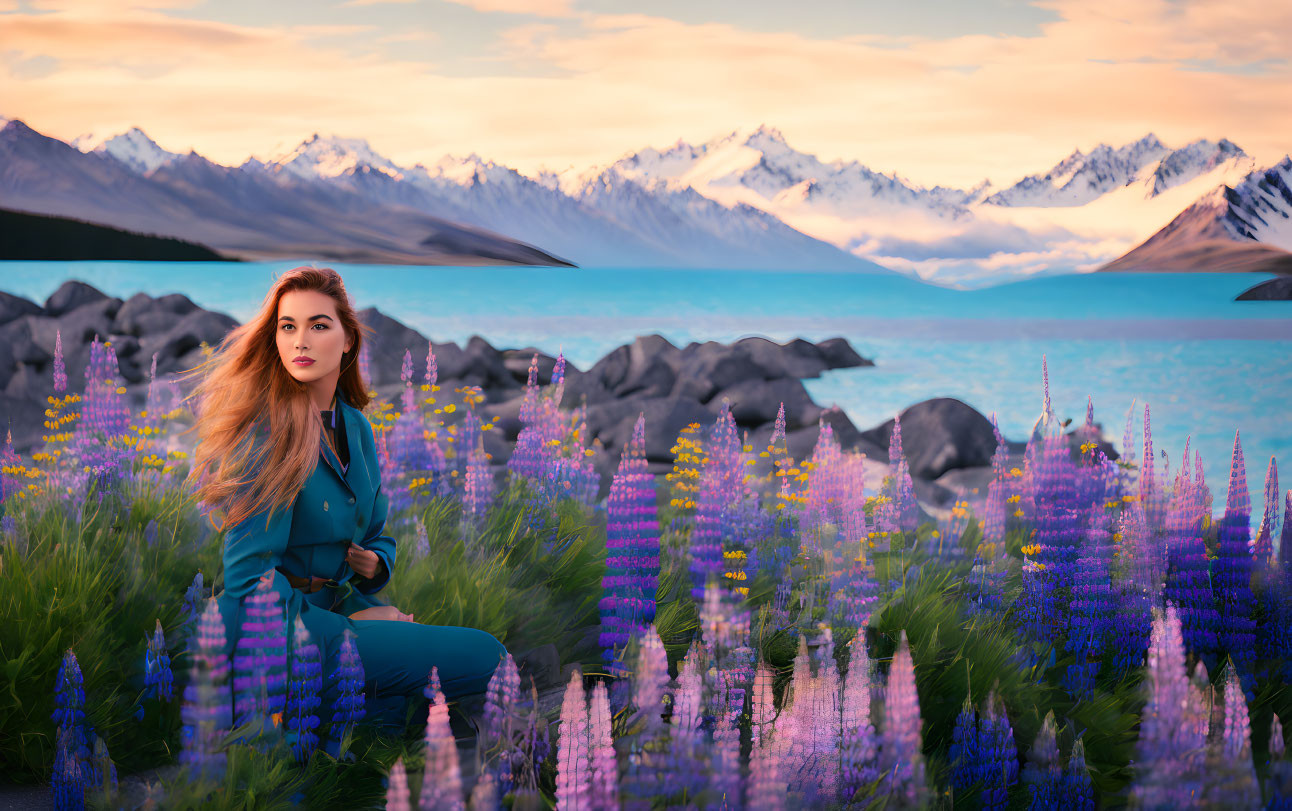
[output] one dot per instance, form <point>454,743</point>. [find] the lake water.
<point>1205,364</point>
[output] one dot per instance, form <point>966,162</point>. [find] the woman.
<point>285,451</point>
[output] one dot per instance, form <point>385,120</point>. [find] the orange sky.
<point>553,85</point>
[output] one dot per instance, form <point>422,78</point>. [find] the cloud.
<point>588,87</point>
<point>980,241</point>
<point>539,8</point>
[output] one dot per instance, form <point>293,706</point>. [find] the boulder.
<point>12,307</point>
<point>940,435</point>
<point>71,295</point>
<point>756,401</point>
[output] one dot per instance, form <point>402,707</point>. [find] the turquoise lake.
<point>1205,364</point>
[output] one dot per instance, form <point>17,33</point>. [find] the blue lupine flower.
<point>1042,775</point>
<point>158,679</point>
<point>72,767</point>
<point>1077,793</point>
<point>303,694</point>
<point>964,756</point>
<point>347,682</point>
<point>1232,575</point>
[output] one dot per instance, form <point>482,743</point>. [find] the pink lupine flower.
<point>858,744</point>
<point>573,769</point>
<point>650,677</point>
<point>205,711</point>
<point>1263,544</point>
<point>901,758</point>
<point>60,369</point>
<point>442,778</point>
<point>484,797</point>
<point>1234,783</point>
<point>397,789</point>
<point>605,767</point>
<point>764,709</point>
<point>1168,755</point>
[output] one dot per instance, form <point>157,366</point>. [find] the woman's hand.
<point>382,612</point>
<point>363,561</point>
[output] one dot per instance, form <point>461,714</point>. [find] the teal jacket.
<point>332,510</point>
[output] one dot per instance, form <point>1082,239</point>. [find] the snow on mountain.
<point>1260,207</point>
<point>1197,158</point>
<point>320,157</point>
<point>132,147</point>
<point>1080,178</point>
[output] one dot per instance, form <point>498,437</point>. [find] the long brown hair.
<point>246,400</point>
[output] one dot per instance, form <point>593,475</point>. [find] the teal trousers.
<point>397,661</point>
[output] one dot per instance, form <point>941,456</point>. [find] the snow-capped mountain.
<point>623,224</point>
<point>1082,178</point>
<point>1246,227</point>
<point>132,147</point>
<point>745,199</point>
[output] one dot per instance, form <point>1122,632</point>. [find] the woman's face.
<point>308,327</point>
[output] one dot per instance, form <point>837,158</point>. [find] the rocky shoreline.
<point>948,444</point>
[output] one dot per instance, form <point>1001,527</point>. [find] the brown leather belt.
<point>309,585</point>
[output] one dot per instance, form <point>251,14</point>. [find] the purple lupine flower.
<point>1263,545</point>
<point>303,694</point>
<point>1150,492</point>
<point>813,721</point>
<point>1278,783</point>
<point>442,777</point>
<point>1232,574</point>
<point>158,678</point>
<point>604,766</point>
<point>72,766</point>
<point>1282,629</point>
<point>573,770</point>
<point>903,509</point>
<point>1037,612</point>
<point>411,455</point>
<point>421,540</point>
<point>364,365</point>
<point>1042,775</point>
<point>260,655</point>
<point>60,369</point>
<point>721,487</point>
<point>105,771</point>
<point>650,677</point>
<point>347,683</point>
<point>500,721</point>
<point>477,494</point>
<point>205,712</point>
<point>901,758</point>
<point>1058,514</point>
<point>632,542</point>
<point>397,797</point>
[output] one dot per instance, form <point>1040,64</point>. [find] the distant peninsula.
<point>40,237</point>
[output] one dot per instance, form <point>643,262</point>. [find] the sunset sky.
<point>942,92</point>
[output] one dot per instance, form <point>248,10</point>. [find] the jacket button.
<point>325,505</point>
<point>351,499</point>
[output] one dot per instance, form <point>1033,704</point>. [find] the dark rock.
<point>754,402</point>
<point>71,295</point>
<point>12,307</point>
<point>839,354</point>
<point>175,346</point>
<point>939,435</point>
<point>1279,289</point>
<point>706,369</point>
<point>142,314</point>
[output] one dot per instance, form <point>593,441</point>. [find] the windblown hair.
<point>258,430</point>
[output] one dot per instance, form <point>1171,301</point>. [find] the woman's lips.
<point>303,362</point>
